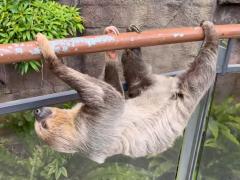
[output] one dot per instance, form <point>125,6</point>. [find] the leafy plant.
<point>221,153</point>
<point>119,171</point>
<point>19,122</point>
<point>21,20</point>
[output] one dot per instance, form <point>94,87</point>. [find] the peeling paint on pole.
<point>18,52</point>
<point>178,35</point>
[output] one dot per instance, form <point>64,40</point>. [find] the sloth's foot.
<point>112,55</point>
<point>209,31</point>
<point>132,52</point>
<point>46,50</point>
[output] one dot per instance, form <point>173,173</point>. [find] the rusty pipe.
<point>10,53</point>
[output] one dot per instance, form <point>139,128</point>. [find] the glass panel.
<point>23,156</point>
<point>221,147</point>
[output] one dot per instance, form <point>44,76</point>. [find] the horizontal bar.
<point>233,68</point>
<point>10,53</point>
<point>39,101</point>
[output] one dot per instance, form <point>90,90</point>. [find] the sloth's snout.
<point>42,113</point>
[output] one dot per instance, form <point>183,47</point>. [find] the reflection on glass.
<point>220,159</point>
<point>23,156</point>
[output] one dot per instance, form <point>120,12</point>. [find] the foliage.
<point>224,43</point>
<point>68,105</point>
<point>19,122</point>
<point>21,20</point>
<point>43,163</point>
<point>36,161</point>
<point>220,158</point>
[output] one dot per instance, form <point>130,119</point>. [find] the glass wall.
<point>220,153</point>
<point>24,156</point>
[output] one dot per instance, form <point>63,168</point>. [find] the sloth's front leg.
<point>200,75</point>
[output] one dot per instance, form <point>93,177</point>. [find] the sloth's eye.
<point>42,113</point>
<point>37,111</point>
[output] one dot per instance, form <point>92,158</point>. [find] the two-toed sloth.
<point>104,123</point>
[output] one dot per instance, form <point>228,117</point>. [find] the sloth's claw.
<point>112,55</point>
<point>111,30</point>
<point>133,28</point>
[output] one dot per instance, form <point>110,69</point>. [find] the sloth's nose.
<point>42,113</point>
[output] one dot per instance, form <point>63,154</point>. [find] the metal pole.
<point>10,53</point>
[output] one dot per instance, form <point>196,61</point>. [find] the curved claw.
<point>133,28</point>
<point>111,30</point>
<point>112,55</point>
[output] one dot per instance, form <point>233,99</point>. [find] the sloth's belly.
<point>151,128</point>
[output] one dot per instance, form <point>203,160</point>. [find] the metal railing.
<point>17,52</point>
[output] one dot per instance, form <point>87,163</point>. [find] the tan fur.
<point>57,124</point>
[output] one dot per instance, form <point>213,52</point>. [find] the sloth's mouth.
<point>44,124</point>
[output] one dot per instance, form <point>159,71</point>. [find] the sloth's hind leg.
<point>92,92</point>
<point>136,72</point>
<point>111,74</point>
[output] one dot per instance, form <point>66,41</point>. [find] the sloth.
<point>104,123</point>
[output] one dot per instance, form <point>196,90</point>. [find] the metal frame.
<point>193,138</point>
<point>197,124</point>
<point>194,131</point>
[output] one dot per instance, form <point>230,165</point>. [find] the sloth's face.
<point>56,127</point>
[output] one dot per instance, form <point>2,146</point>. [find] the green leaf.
<point>4,35</point>
<point>64,172</point>
<point>57,174</point>
<point>234,125</point>
<point>51,170</point>
<point>227,133</point>
<point>211,143</point>
<point>213,127</point>
<point>28,35</point>
<point>34,65</point>
<point>26,65</point>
